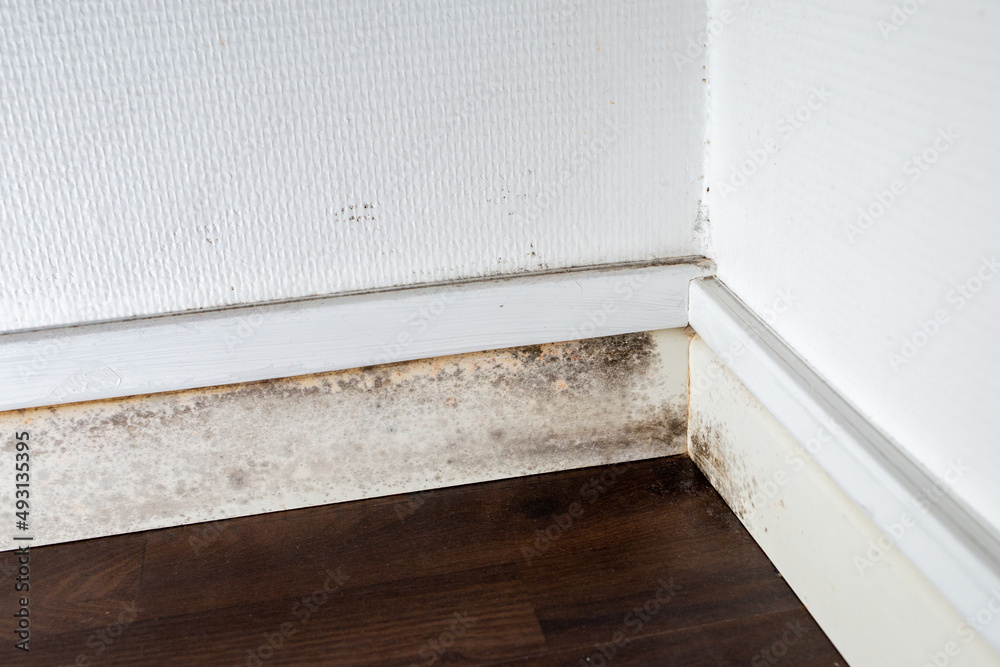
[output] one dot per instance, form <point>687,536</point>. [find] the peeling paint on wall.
<point>117,466</point>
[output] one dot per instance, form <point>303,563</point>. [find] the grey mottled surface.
<point>118,466</point>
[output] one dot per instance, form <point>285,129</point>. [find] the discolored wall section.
<point>117,466</point>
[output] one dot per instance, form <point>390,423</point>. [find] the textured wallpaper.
<point>869,237</point>
<point>159,159</point>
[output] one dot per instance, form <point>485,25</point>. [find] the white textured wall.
<point>157,158</point>
<point>787,238</point>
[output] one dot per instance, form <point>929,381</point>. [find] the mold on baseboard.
<point>884,612</point>
<point>130,464</point>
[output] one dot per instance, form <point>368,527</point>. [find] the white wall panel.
<point>819,111</point>
<point>158,158</point>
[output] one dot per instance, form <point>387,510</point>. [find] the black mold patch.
<point>706,442</point>
<point>667,425</point>
<point>528,353</point>
<point>615,360</point>
<point>610,363</point>
<point>706,450</point>
<point>629,353</point>
<point>237,479</point>
<point>601,370</point>
<point>369,431</point>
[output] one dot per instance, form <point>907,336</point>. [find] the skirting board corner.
<point>889,580</point>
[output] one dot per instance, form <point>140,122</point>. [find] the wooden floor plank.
<point>482,616</point>
<point>782,637</point>
<point>540,570</point>
<point>78,586</point>
<point>712,574</point>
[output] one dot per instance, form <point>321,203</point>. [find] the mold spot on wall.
<point>237,479</point>
<point>398,428</point>
<point>711,451</point>
<point>706,442</point>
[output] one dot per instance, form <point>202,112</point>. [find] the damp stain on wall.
<point>116,466</point>
<point>708,448</point>
<point>711,443</point>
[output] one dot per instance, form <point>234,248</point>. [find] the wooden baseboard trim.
<point>187,351</point>
<point>947,543</point>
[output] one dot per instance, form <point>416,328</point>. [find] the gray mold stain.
<point>148,461</point>
<point>710,451</point>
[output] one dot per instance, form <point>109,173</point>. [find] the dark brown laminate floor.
<point>642,561</point>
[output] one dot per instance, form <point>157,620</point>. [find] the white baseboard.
<point>111,360</point>
<point>948,545</point>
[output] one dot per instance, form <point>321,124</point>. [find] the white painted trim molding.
<point>948,544</point>
<point>869,599</point>
<point>186,351</point>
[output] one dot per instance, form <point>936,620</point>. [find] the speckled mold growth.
<point>709,441</point>
<point>717,395</point>
<point>110,467</point>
